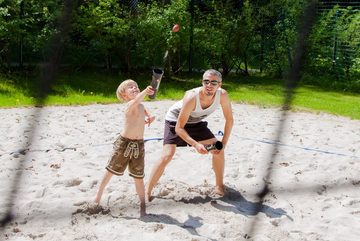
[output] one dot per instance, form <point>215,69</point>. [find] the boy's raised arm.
<point>140,97</point>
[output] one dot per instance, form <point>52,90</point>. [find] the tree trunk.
<point>108,61</point>
<point>191,41</point>
<point>224,65</point>
<point>246,71</point>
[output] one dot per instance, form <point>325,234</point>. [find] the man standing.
<point>184,126</point>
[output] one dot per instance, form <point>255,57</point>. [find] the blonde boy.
<point>129,147</point>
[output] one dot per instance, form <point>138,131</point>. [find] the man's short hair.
<point>212,72</point>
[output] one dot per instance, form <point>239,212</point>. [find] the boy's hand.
<point>149,119</point>
<point>149,90</point>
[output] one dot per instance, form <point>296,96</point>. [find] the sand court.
<point>315,178</point>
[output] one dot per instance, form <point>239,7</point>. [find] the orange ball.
<point>176,28</point>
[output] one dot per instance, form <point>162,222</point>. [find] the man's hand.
<point>200,148</point>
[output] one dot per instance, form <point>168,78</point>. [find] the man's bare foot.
<point>148,197</point>
<point>218,192</point>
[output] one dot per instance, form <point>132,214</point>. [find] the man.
<point>184,126</point>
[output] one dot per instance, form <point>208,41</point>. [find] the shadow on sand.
<point>236,203</point>
<point>190,225</point>
<point>233,202</point>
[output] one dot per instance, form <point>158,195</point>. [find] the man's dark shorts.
<point>197,131</point>
<point>127,153</point>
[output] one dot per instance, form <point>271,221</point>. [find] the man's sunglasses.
<point>213,82</point>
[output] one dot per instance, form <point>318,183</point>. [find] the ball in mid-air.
<point>176,28</point>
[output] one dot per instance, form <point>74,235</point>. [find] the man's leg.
<point>167,154</point>
<point>218,162</point>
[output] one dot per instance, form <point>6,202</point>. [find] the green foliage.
<point>213,36</point>
<point>242,37</point>
<point>29,23</point>
<point>334,46</point>
<point>98,28</point>
<point>154,38</point>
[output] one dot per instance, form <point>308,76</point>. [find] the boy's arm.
<point>140,97</point>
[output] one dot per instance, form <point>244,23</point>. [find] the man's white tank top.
<point>198,114</point>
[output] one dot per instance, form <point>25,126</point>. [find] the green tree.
<point>25,28</point>
<point>102,29</point>
<point>157,45</point>
<point>335,43</point>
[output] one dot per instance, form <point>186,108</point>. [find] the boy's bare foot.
<point>142,214</point>
<point>91,209</point>
<point>97,200</point>
<point>142,210</point>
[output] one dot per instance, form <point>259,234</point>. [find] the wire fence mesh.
<point>48,77</point>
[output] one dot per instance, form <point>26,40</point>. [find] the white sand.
<point>316,195</point>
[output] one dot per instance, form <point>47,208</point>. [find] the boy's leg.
<point>103,184</point>
<point>167,154</point>
<point>140,189</point>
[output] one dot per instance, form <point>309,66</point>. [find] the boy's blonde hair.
<point>121,89</point>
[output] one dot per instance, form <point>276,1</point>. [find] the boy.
<point>129,146</point>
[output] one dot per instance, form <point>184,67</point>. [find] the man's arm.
<point>188,106</point>
<point>228,115</point>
